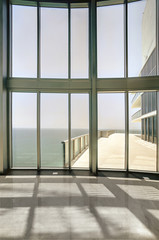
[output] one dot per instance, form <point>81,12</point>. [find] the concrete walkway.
<point>142,154</point>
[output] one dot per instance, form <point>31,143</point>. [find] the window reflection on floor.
<point>79,207</point>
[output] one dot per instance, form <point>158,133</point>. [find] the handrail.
<point>75,138</point>
<point>79,145</point>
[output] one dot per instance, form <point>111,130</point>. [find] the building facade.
<point>146,102</point>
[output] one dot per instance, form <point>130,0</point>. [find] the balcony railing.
<point>135,97</point>
<point>136,115</point>
<point>80,144</point>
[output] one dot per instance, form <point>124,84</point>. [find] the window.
<point>110,41</point>
<point>142,38</point>
<point>111,130</point>
<point>80,130</point>
<point>24,130</point>
<point>79,43</point>
<point>24,41</point>
<point>54,42</point>
<point>54,130</point>
<point>142,147</point>
<point>53,49</point>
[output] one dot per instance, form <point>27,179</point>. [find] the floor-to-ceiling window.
<point>80,130</point>
<point>24,130</point>
<point>111,130</point>
<point>58,53</point>
<point>142,144</point>
<point>54,130</point>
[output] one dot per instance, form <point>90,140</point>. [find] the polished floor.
<point>78,205</point>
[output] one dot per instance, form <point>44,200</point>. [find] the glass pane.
<point>24,130</point>
<point>54,130</point>
<point>80,130</point>
<point>79,43</point>
<point>54,43</point>
<point>24,41</point>
<point>142,136</point>
<point>111,130</point>
<point>110,41</point>
<point>142,38</point>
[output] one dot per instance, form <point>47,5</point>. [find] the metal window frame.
<point>92,85</point>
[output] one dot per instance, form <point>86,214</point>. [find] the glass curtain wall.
<point>54,42</point>
<point>80,130</point>
<point>111,130</point>
<point>62,61</point>
<point>142,38</point>
<point>24,130</point>
<point>142,131</point>
<point>110,41</point>
<point>79,42</point>
<point>24,41</point>
<point>54,130</point>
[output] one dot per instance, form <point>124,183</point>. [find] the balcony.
<point>111,151</point>
<point>136,101</point>
<point>136,117</point>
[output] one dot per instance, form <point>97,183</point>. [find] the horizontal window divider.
<point>80,80</point>
<point>111,79</point>
<point>144,83</point>
<point>49,79</point>
<point>130,78</point>
<point>130,84</point>
<point>112,85</point>
<point>24,3</point>
<point>22,79</point>
<point>79,5</point>
<point>61,86</point>
<point>53,4</point>
<point>103,3</point>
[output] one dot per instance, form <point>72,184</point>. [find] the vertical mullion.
<point>69,77</point>
<point>38,93</point>
<point>126,94</point>
<point>9,73</point>
<point>127,131</point>
<point>93,12</point>
<point>90,94</point>
<point>10,28</point>
<point>157,37</point>
<point>157,94</point>
<point>90,133</point>
<point>157,132</point>
<point>38,40</point>
<point>10,132</point>
<point>69,129</point>
<point>69,41</point>
<point>38,132</point>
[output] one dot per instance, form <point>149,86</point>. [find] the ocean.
<point>24,147</point>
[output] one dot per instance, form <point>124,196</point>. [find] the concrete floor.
<point>79,207</point>
<point>111,153</point>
